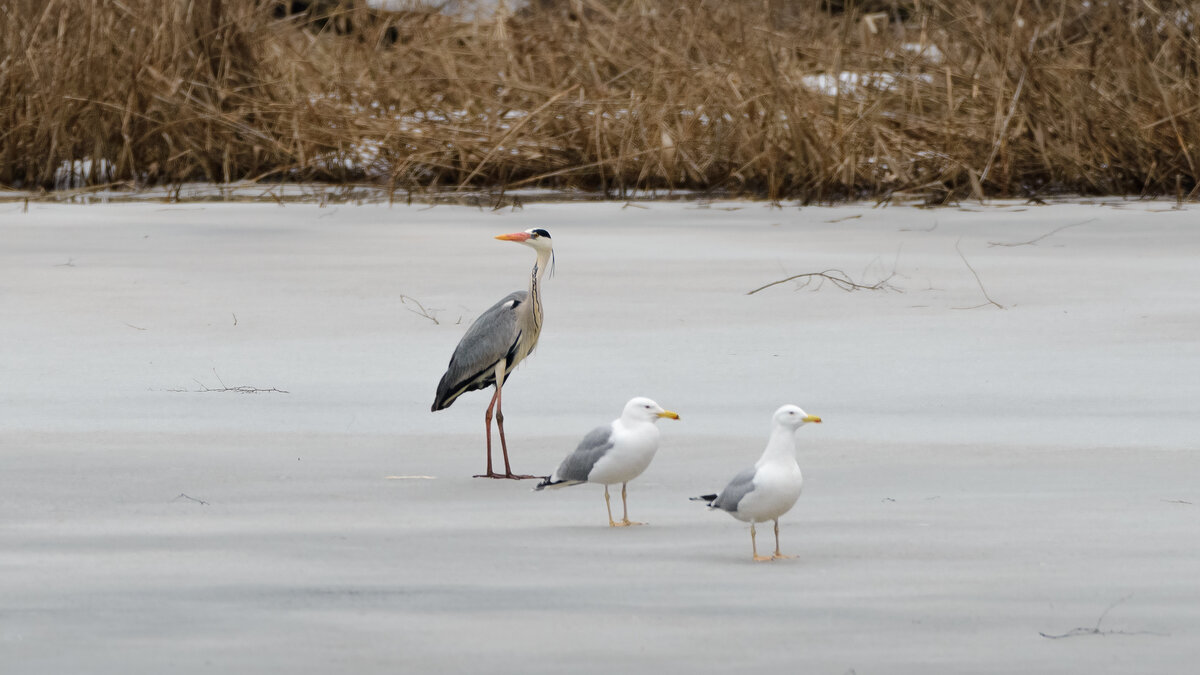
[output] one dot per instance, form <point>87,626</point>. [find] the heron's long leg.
<point>487,417</point>
<point>500,424</point>
<point>625,521</point>
<point>487,424</point>
<point>500,417</point>
<point>754,547</point>
<point>608,505</point>
<point>777,553</point>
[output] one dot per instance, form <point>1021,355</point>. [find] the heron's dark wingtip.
<point>440,401</point>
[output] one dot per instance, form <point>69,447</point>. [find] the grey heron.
<point>614,453</point>
<point>495,343</point>
<point>771,487</point>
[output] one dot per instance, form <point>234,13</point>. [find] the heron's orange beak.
<point>669,415</point>
<point>813,418</point>
<point>515,236</point>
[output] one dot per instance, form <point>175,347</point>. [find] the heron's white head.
<point>793,417</point>
<point>644,410</point>
<point>535,238</point>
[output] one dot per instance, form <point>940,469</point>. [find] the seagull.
<point>771,487</point>
<point>614,453</point>
<point>496,342</point>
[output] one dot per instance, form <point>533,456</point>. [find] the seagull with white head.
<point>771,487</point>
<point>614,453</point>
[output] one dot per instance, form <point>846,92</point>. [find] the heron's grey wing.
<point>492,337</point>
<point>741,485</point>
<point>578,464</point>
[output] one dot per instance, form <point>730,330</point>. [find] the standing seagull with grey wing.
<point>771,487</point>
<point>498,340</point>
<point>615,453</point>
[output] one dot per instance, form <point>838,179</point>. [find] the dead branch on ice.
<point>241,389</point>
<point>836,277</point>
<point>1033,242</point>
<point>979,281</point>
<point>1095,630</point>
<point>430,314</point>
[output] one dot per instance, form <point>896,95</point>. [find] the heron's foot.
<point>508,476</point>
<point>780,556</point>
<point>625,523</point>
<point>763,558</point>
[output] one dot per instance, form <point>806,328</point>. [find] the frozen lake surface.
<point>986,473</point>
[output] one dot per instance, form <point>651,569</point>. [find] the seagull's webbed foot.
<point>626,523</point>
<point>780,556</point>
<point>763,558</point>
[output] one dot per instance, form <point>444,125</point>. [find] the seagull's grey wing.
<point>578,464</point>
<point>741,485</point>
<point>492,337</point>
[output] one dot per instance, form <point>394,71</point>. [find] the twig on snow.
<point>430,314</point>
<point>979,281</point>
<point>241,389</point>
<point>1033,242</point>
<point>837,278</point>
<point>1095,630</point>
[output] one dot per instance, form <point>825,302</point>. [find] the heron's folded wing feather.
<point>490,339</point>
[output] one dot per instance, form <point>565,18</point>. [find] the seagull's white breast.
<point>633,449</point>
<point>776,488</point>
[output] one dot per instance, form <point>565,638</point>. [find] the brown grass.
<point>1015,97</point>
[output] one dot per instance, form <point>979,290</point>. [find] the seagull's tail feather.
<point>549,482</point>
<point>705,498</point>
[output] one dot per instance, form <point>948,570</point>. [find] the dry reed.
<point>767,98</point>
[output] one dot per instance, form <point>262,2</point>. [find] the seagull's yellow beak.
<point>812,418</point>
<point>515,236</point>
<point>669,415</point>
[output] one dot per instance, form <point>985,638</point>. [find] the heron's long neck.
<point>781,447</point>
<point>535,286</point>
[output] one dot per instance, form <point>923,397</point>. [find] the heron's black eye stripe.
<point>539,233</point>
